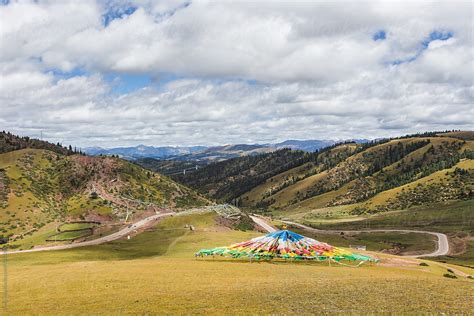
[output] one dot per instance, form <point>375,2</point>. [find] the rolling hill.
<point>39,187</point>
<point>229,179</point>
<point>369,177</point>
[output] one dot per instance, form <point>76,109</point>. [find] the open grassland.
<point>37,238</point>
<point>156,272</point>
<point>465,259</point>
<point>190,286</point>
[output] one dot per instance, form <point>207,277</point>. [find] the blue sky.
<point>379,35</point>
<point>116,13</point>
<point>424,45</point>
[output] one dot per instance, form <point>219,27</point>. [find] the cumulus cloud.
<point>240,71</point>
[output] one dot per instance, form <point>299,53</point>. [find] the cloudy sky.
<point>119,73</point>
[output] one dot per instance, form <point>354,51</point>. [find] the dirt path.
<point>121,233</point>
<point>442,248</point>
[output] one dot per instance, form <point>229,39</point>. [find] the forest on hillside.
<point>10,142</point>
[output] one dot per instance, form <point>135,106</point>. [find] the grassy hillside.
<point>319,161</point>
<point>464,135</point>
<point>373,170</point>
<point>156,273</point>
<point>349,175</point>
<point>40,187</point>
<point>229,179</point>
<point>455,183</point>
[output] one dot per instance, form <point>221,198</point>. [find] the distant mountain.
<point>212,153</point>
<point>142,151</point>
<point>220,153</point>
<point>305,145</point>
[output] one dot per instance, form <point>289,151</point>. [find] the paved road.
<point>121,233</point>
<point>442,246</point>
<point>261,222</point>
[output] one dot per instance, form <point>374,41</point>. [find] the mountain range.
<point>209,153</point>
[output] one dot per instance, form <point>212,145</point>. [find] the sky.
<point>121,73</point>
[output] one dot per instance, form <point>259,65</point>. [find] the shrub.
<point>424,264</point>
<point>451,276</point>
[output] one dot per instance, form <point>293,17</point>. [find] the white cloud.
<point>318,72</point>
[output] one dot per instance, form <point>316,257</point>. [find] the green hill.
<point>229,179</point>
<point>346,175</point>
<point>39,187</point>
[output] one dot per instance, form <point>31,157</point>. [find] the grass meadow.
<point>156,273</point>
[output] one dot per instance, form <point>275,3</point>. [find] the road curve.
<point>442,248</point>
<point>121,233</point>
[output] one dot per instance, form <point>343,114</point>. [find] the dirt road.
<point>121,233</point>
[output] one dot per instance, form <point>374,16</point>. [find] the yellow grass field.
<point>189,286</point>
<point>95,281</point>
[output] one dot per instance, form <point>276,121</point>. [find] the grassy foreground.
<point>109,280</point>
<point>186,285</point>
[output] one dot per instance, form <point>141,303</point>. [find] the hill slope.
<point>344,174</point>
<point>229,179</point>
<point>40,186</point>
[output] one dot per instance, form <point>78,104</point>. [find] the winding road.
<point>442,248</point>
<point>117,235</point>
